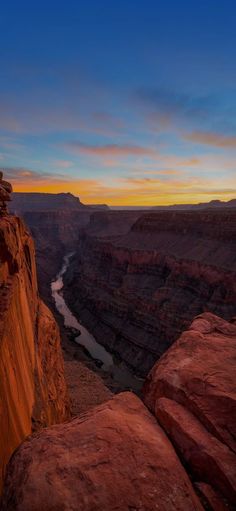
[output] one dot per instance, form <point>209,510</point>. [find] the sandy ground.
<point>86,388</point>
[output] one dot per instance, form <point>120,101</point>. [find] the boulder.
<point>191,390</point>
<point>115,457</point>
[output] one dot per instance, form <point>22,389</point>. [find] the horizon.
<point>120,106</point>
<point>127,206</point>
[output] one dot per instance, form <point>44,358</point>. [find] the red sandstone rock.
<point>191,390</point>
<point>211,499</point>
<point>33,392</point>
<point>115,457</point>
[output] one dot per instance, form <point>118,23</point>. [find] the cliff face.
<point>33,392</point>
<point>55,234</point>
<point>122,457</point>
<point>138,291</point>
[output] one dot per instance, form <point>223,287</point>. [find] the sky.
<point>123,103</point>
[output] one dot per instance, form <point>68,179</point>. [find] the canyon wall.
<point>138,290</point>
<point>54,221</point>
<point>33,392</point>
<point>55,234</point>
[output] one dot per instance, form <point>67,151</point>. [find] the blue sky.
<point>120,102</point>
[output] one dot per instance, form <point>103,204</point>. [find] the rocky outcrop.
<point>119,459</point>
<point>138,291</point>
<point>5,195</point>
<point>33,392</point>
<point>191,391</point>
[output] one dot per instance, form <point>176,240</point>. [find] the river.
<point>118,370</point>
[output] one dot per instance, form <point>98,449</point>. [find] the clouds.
<point>109,150</point>
<point>146,145</point>
<point>212,139</point>
<point>153,189</point>
<point>208,119</point>
<point>24,175</point>
<point>63,164</point>
<point>170,104</point>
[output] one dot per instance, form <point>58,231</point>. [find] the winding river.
<point>118,370</point>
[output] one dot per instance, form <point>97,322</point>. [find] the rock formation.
<point>54,221</point>
<point>138,291</point>
<point>22,202</point>
<point>114,458</point>
<point>120,457</point>
<point>5,195</point>
<point>191,391</point>
<point>33,392</point>
<point>55,234</point>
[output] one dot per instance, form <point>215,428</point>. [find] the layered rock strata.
<point>138,291</point>
<point>55,234</point>
<point>33,392</point>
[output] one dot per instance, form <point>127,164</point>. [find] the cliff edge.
<point>33,391</point>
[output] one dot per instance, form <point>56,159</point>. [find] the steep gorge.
<point>119,456</point>
<point>138,291</point>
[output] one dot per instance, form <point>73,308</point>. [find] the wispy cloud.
<point>24,175</point>
<point>133,190</point>
<point>109,150</point>
<point>164,103</point>
<point>63,164</point>
<point>212,139</point>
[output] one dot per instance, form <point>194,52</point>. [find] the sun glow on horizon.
<point>141,194</point>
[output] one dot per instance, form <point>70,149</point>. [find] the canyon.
<point>138,287</point>
<point>136,280</point>
<point>158,291</point>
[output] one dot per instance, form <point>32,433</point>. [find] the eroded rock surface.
<point>114,458</point>
<point>33,392</point>
<point>191,391</point>
<point>136,292</point>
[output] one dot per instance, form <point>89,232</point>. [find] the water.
<point>118,371</point>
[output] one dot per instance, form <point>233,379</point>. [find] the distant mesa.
<point>202,205</point>
<point>36,201</point>
<point>213,204</point>
<point>27,201</point>
<point>5,195</point>
<point>100,207</point>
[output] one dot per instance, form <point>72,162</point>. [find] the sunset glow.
<point>142,113</point>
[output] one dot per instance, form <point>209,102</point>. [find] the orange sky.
<point>135,190</point>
